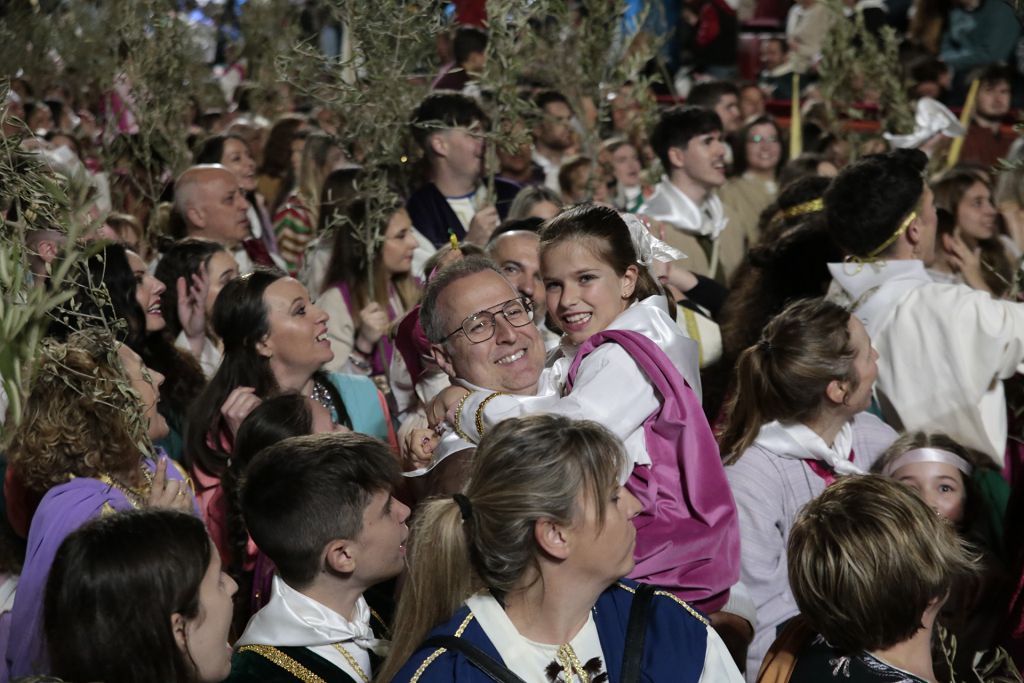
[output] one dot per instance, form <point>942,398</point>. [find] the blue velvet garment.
<point>674,646</point>
<point>435,219</point>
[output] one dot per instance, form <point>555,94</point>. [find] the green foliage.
<point>42,201</point>
<point>855,63</point>
<point>371,93</point>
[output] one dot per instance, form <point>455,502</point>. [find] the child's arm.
<point>610,389</point>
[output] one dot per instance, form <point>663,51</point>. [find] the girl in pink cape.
<point>624,362</point>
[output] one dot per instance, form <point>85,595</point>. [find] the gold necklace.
<point>352,662</point>
<point>566,656</point>
<point>136,497</point>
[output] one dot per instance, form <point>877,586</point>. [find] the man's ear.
<point>339,556</point>
<point>438,143</point>
<point>443,359</point>
<point>178,625</point>
<point>196,216</point>
<point>551,537</point>
<point>676,157</point>
<point>914,231</point>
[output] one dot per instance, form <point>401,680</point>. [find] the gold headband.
<point>873,256</point>
<point>812,206</point>
<point>895,236</point>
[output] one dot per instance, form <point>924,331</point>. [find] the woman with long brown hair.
<point>362,297</point>
<point>796,422</point>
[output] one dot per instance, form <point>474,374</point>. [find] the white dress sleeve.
<point>610,389</point>
<point>718,664</point>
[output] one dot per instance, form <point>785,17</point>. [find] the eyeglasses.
<point>480,326</point>
<point>763,138</point>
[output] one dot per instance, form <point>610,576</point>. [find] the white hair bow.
<point>648,247</point>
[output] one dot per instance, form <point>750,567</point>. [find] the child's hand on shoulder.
<point>442,406</point>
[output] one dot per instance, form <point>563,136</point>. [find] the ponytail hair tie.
<point>648,247</point>
<point>464,506</point>
<point>765,346</point>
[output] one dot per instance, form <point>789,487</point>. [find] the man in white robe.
<point>944,348</point>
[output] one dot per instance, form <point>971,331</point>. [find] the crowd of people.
<point>671,407</point>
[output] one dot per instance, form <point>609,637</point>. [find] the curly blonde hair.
<point>81,417</point>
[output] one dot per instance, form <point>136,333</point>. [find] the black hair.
<point>112,589</point>
<point>867,202</point>
<point>274,420</point>
<point>443,109</point>
<point>468,40</point>
<point>546,97</point>
<point>708,94</point>
<point>678,126</point>
<point>991,74</point>
<point>304,492</point>
<point>211,149</point>
<point>184,259</point>
<point>240,320</point>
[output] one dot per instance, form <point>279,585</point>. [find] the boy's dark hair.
<point>302,493</point>
<point>546,97</point>
<point>867,202</point>
<point>778,39</point>
<point>678,126</point>
<point>443,109</point>
<point>708,94</point>
<point>993,73</point>
<point>468,40</point>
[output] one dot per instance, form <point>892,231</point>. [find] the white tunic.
<point>943,349</point>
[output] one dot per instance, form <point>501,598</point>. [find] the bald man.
<point>211,202</point>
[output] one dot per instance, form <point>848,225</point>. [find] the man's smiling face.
<point>510,361</point>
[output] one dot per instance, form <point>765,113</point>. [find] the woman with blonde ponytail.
<point>520,573</point>
<point>796,422</point>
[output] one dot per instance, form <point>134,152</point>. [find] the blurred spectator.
<point>986,142</point>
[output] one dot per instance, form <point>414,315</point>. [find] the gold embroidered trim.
<point>283,661</point>
<point>693,613</point>
<point>480,413</point>
<point>439,651</point>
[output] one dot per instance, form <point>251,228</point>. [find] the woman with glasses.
<point>757,158</point>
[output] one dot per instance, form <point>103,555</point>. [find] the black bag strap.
<point>480,659</point>
<point>635,632</point>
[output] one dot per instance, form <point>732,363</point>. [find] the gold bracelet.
<point>458,418</point>
<point>480,412</point>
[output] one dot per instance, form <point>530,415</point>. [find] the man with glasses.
<point>482,335</point>
<point>450,128</point>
